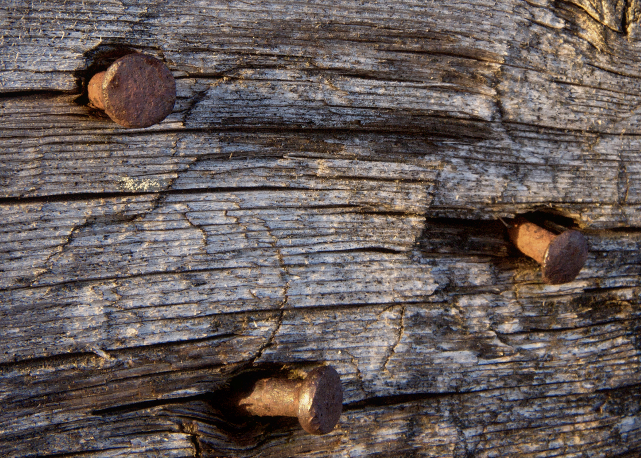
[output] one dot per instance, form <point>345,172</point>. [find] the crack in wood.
<point>392,349</point>
<point>270,341</point>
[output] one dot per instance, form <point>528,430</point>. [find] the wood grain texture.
<point>327,190</point>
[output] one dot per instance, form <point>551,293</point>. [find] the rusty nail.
<point>317,400</point>
<point>561,256</point>
<point>135,91</point>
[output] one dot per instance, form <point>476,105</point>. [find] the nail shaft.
<point>94,90</point>
<point>531,240</point>
<point>273,397</point>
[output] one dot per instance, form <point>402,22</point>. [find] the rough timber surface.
<point>327,189</point>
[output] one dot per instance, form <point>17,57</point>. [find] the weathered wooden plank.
<point>437,426</point>
<point>150,307</point>
<point>484,338</point>
<point>549,85</point>
<point>322,192</point>
<point>595,177</point>
<point>541,99</point>
<point>474,180</point>
<point>215,253</point>
<point>228,35</point>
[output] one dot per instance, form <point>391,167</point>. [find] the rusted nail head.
<point>320,401</point>
<point>565,257</point>
<point>138,91</point>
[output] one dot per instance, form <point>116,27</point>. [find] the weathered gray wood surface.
<point>328,188</point>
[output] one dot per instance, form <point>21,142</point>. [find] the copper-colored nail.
<point>561,256</point>
<point>135,91</point>
<point>317,400</point>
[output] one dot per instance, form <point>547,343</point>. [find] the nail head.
<point>138,91</point>
<point>565,257</point>
<point>320,401</point>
